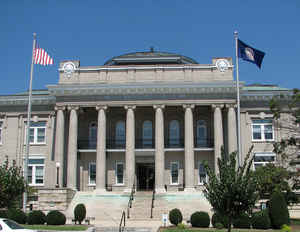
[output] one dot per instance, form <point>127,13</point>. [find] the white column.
<point>189,162</point>
<point>231,121</point>
<point>218,133</point>
<point>60,141</point>
<point>159,149</point>
<point>130,147</point>
<point>72,148</point>
<point>101,150</point>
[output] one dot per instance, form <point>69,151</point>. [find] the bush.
<point>17,215</point>
<point>200,219</point>
<point>261,220</point>
<point>79,213</point>
<point>218,218</point>
<point>175,216</point>
<point>3,214</point>
<point>219,226</point>
<point>181,226</point>
<point>278,210</point>
<point>36,217</point>
<point>286,228</point>
<point>55,217</point>
<point>242,222</point>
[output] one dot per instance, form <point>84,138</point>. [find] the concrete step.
<point>126,229</point>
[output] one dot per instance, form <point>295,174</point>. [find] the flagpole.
<point>238,98</point>
<point>28,125</point>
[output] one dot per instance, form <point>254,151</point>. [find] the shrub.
<point>278,210</point>
<point>36,217</point>
<point>55,217</point>
<point>175,216</point>
<point>3,214</point>
<point>285,228</point>
<point>17,215</point>
<point>219,226</point>
<point>181,226</point>
<point>243,221</point>
<point>200,219</point>
<point>218,218</point>
<point>261,220</point>
<point>79,213</point>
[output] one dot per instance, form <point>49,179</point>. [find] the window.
<point>1,132</point>
<point>37,133</point>
<point>120,133</point>
<point>147,133</point>
<point>174,172</point>
<point>262,130</point>
<point>201,133</point>
<point>261,159</point>
<point>92,173</point>
<point>119,173</point>
<point>174,132</point>
<point>36,168</point>
<point>92,135</point>
<point>202,177</point>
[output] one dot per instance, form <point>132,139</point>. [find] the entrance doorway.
<point>145,176</point>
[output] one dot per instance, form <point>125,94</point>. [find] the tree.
<point>12,184</point>
<point>286,112</point>
<point>234,190</point>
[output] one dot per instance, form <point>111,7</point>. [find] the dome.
<point>149,58</point>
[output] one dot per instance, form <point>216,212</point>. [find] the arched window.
<point>201,133</point>
<point>120,133</point>
<point>174,132</point>
<point>93,135</point>
<point>147,133</point>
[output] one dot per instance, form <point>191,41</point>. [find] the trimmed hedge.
<point>79,213</point>
<point>242,222</point>
<point>200,219</point>
<point>55,217</point>
<point>218,218</point>
<point>17,215</point>
<point>175,216</point>
<point>261,220</point>
<point>36,217</point>
<point>278,211</point>
<point>3,214</point>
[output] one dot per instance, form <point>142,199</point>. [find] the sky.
<point>94,31</point>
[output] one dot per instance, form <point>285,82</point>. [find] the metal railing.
<point>152,203</point>
<point>129,205</point>
<point>123,220</point>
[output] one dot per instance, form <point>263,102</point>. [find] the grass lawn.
<point>63,227</point>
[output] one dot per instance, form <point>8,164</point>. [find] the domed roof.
<point>151,58</point>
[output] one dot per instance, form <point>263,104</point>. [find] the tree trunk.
<point>229,223</point>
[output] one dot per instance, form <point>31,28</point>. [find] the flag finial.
<point>235,34</point>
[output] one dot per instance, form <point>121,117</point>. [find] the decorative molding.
<point>159,107</point>
<point>101,107</point>
<point>76,108</point>
<point>186,106</point>
<point>56,108</point>
<point>132,107</point>
<point>214,106</point>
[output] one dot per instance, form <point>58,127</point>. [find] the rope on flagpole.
<point>28,125</point>
<point>238,99</point>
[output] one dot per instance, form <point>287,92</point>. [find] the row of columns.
<point>130,144</point>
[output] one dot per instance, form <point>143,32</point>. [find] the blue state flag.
<point>250,54</point>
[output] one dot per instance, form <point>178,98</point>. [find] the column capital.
<point>56,108</point>
<point>127,107</point>
<point>73,108</point>
<point>214,106</point>
<point>101,107</point>
<point>159,106</point>
<point>186,106</point>
<point>230,106</point>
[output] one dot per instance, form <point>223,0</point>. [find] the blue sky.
<point>95,31</point>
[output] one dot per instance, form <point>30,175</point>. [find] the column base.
<point>189,189</point>
<point>100,191</point>
<point>160,190</point>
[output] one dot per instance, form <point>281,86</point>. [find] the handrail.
<point>123,218</point>
<point>152,204</point>
<point>129,205</point>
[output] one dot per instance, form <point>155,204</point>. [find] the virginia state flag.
<point>250,54</point>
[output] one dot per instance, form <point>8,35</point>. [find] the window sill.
<point>118,185</point>
<point>175,184</point>
<point>263,141</point>
<point>36,185</point>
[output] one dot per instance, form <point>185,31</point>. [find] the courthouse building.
<point>144,119</point>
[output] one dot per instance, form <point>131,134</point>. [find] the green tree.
<point>234,190</point>
<point>12,184</point>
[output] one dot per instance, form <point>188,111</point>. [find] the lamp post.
<point>57,174</point>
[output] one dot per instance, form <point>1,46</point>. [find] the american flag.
<point>40,56</point>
